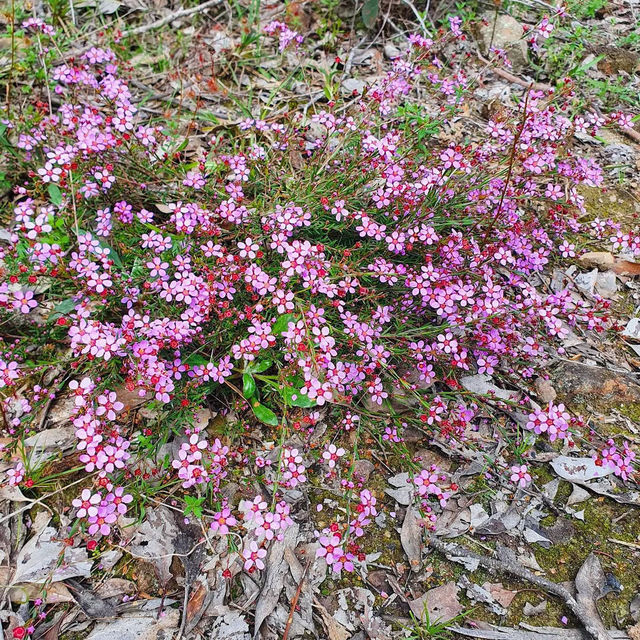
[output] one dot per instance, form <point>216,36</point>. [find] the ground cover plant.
<point>228,330</point>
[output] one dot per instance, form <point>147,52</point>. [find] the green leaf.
<point>282,323</point>
<point>112,255</point>
<point>193,506</point>
<point>370,10</point>
<point>55,195</point>
<point>258,366</point>
<point>264,414</point>
<point>294,398</point>
<point>196,359</point>
<point>63,308</point>
<point>248,386</point>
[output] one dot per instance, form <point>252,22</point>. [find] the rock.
<point>606,261</point>
<point>426,458</point>
<point>508,34</point>
<point>391,52</point>
<point>632,330</point>
<point>362,469</point>
<point>607,285</point>
<point>351,85</point>
<point>577,496</point>
<point>580,384</point>
<point>634,632</point>
<point>544,390</point>
<point>534,610</point>
<point>616,59</point>
<point>621,157</point>
<point>634,608</point>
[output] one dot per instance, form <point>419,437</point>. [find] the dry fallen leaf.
<point>579,469</point>
<point>501,595</point>
<point>590,584</point>
<point>411,538</point>
<point>154,540</point>
<point>441,603</point>
<point>335,630</point>
<point>275,569</point>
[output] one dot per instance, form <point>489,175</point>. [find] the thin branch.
<point>509,565</point>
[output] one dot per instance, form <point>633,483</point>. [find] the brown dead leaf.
<point>335,631</point>
<point>441,603</point>
<point>198,595</point>
<point>606,261</point>
<point>626,268</point>
<point>501,595</point>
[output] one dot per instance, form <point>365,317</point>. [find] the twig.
<point>294,602</point>
<point>505,75</point>
<point>417,15</point>
<point>631,133</point>
<point>622,543</point>
<point>509,565</point>
<point>182,13</point>
<point>185,604</point>
<point>514,148</point>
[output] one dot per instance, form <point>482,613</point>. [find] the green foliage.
<point>193,506</point>
<point>264,414</point>
<point>369,12</point>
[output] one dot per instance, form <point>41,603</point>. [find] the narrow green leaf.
<point>55,195</point>
<point>248,386</point>
<point>264,414</point>
<point>294,398</point>
<point>282,323</point>
<point>370,10</point>
<point>258,366</point>
<point>196,359</point>
<point>62,308</point>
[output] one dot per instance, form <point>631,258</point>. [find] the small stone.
<point>544,390</point>
<point>603,260</point>
<point>351,85</point>
<point>362,469</point>
<point>391,52</point>
<point>504,32</point>
<point>578,495</point>
<point>534,610</point>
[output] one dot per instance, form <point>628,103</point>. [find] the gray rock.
<point>508,35</point>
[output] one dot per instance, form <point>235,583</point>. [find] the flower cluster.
<point>620,460</point>
<point>554,421</point>
<point>301,270</point>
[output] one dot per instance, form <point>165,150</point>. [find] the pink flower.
<point>222,521</point>
<point>332,454</point>
<point>253,557</point>
<point>520,475</point>
<point>87,503</point>
<point>330,549</point>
